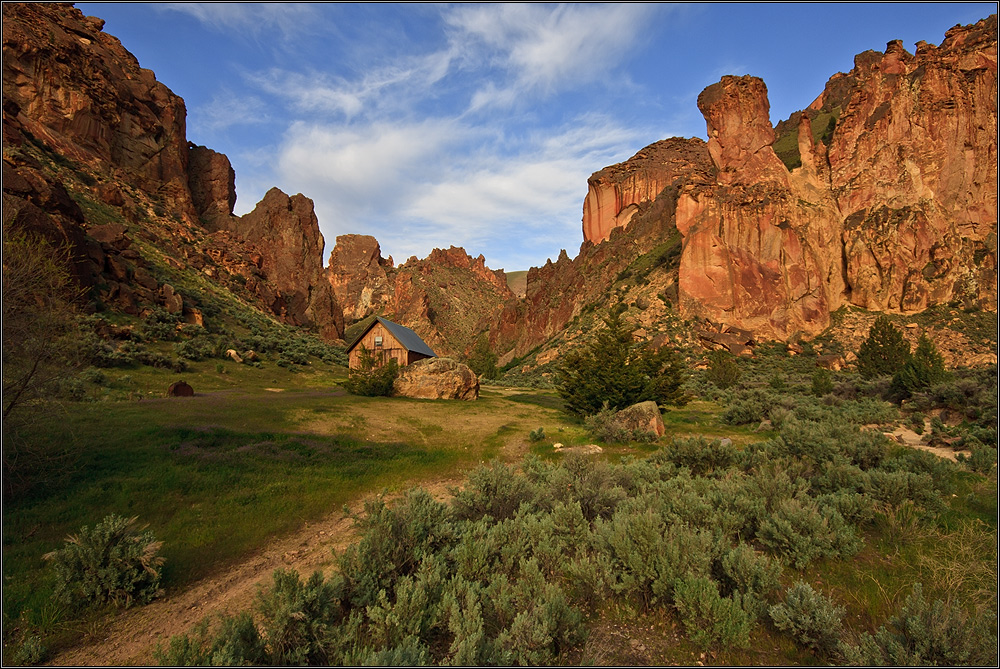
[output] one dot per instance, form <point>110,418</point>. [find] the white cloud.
<point>543,50</point>
<point>253,19</point>
<point>225,110</point>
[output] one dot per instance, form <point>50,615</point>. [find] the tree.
<point>924,369</point>
<point>374,375</point>
<point>483,361</point>
<point>41,351</point>
<point>722,369</point>
<point>884,352</point>
<point>612,370</point>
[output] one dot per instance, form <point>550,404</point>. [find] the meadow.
<point>260,450</point>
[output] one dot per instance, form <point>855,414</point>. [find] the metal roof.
<point>409,339</point>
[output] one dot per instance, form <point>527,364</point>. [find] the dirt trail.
<point>905,435</point>
<point>130,638</point>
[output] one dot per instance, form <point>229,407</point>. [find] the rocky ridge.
<point>96,158</point>
<point>448,298</point>
<point>887,200</point>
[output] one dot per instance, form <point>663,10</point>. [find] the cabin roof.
<point>409,339</point>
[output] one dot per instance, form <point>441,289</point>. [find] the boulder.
<point>180,389</point>
<point>641,416</point>
<point>437,379</point>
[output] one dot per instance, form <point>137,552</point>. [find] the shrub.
<point>113,563</point>
<point>374,376</point>
<point>928,634</point>
<point>982,460</point>
<point>822,382</point>
<point>700,455</point>
<point>393,543</point>
<point>748,573</point>
<point>708,617</point>
<point>810,618</point>
<point>748,406</point>
<point>295,616</point>
<point>495,490</point>
<point>611,370</point>
<point>536,435</point>
<point>884,352</point>
<point>722,369</point>
<point>800,532</point>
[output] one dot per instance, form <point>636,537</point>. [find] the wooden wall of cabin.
<point>390,347</point>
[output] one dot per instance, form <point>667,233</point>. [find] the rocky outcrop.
<point>357,273</point>
<point>449,297</point>
<point>913,167</point>
<point>437,379</point>
<point>80,115</point>
<point>73,87</point>
<point>212,181</point>
<point>884,195</point>
<point>614,193</point>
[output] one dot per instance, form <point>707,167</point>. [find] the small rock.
<point>557,446</point>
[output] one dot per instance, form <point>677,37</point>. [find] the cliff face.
<point>884,195</point>
<point>614,193</point>
<point>448,298</point>
<point>83,123</point>
<point>76,89</point>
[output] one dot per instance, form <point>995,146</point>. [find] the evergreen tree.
<point>612,370</point>
<point>884,352</point>
<point>924,369</point>
<point>483,361</point>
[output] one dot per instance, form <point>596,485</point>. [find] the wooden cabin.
<point>389,340</point>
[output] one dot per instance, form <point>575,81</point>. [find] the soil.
<point>130,638</point>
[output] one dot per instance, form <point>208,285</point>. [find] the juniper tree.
<point>884,352</point>
<point>613,370</point>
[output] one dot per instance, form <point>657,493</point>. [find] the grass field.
<point>257,452</point>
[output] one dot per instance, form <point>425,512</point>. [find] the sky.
<point>477,125</point>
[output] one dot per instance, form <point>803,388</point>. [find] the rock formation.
<point>80,115</point>
<point>449,297</point>
<point>437,379</point>
<point>73,87</point>
<point>884,197</point>
<point>614,193</point>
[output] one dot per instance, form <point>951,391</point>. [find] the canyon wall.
<point>887,201</point>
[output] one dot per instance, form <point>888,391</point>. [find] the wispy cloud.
<point>253,19</point>
<point>225,110</point>
<point>539,50</point>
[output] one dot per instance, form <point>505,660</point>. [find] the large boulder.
<point>437,379</point>
<point>644,416</point>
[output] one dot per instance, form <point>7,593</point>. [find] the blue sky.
<point>478,125</point>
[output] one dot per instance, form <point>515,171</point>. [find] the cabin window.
<point>378,341</point>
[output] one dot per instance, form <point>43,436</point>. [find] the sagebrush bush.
<point>800,532</point>
<point>750,405</point>
<point>928,634</point>
<point>373,377</point>
<point>810,618</point>
<point>708,617</point>
<point>115,562</point>
<point>494,490</point>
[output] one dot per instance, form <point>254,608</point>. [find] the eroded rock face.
<point>890,203</point>
<point>76,89</point>
<point>357,274</point>
<point>614,193</point>
<point>286,233</point>
<point>913,167</point>
<point>212,181</point>
<point>437,379</point>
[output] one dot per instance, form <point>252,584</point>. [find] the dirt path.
<point>130,638</point>
<point>905,435</point>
